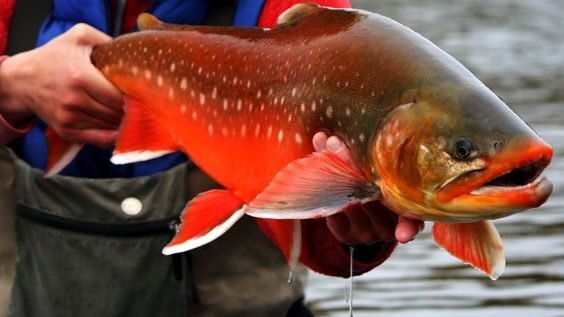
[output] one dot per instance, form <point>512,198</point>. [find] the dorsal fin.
<point>297,12</point>
<point>147,21</point>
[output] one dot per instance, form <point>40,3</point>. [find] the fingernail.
<point>334,144</point>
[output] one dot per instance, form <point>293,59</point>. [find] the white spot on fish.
<point>225,104</point>
<point>361,137</point>
<point>148,74</point>
<point>194,115</point>
<point>259,93</point>
<point>248,84</point>
<point>192,93</point>
<point>280,135</point>
<point>282,101</point>
<point>170,93</point>
<point>239,104</point>
<point>172,67</point>
<point>200,70</point>
<point>243,130</point>
<point>257,130</point>
<point>160,80</point>
<point>210,129</point>
<point>134,70</point>
<point>214,92</point>
<point>294,90</point>
<point>313,106</point>
<point>235,81</point>
<point>202,99</point>
<point>183,108</point>
<point>329,112</point>
<point>269,132</point>
<point>302,107</point>
<point>224,131</point>
<point>348,111</point>
<point>298,138</point>
<point>183,84</point>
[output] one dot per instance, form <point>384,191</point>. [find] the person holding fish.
<point>89,244</point>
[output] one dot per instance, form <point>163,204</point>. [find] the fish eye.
<point>463,149</point>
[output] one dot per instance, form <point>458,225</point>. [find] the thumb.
<point>87,35</point>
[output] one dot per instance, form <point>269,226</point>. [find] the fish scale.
<point>296,78</point>
<point>428,139</point>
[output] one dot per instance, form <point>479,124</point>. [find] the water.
<point>517,48</point>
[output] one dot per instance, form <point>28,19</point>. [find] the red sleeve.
<point>6,13</point>
<point>273,8</point>
<point>321,251</point>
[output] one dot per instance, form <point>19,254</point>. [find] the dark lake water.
<point>517,48</point>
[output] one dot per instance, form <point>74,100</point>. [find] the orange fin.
<point>60,152</point>
<point>318,185</point>
<point>147,21</point>
<point>476,243</point>
<point>142,135</point>
<point>205,218</point>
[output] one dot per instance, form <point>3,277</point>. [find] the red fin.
<point>60,152</point>
<point>476,243</point>
<point>205,218</point>
<point>142,136</point>
<point>318,185</point>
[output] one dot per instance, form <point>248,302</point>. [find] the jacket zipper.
<point>139,229</point>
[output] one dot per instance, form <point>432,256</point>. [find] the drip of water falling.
<point>349,290</point>
<point>291,277</point>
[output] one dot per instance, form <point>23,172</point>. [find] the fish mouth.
<point>509,183</point>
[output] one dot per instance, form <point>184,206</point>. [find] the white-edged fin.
<point>137,156</point>
<point>318,185</point>
<point>476,243</point>
<point>144,134</point>
<point>205,218</point>
<point>211,235</point>
<point>60,152</point>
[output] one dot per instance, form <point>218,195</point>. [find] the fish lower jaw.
<point>532,194</point>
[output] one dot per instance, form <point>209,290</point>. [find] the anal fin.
<point>476,243</point>
<point>205,218</point>
<point>60,152</point>
<point>318,185</point>
<point>142,136</point>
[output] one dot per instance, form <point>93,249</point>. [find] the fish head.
<point>459,155</point>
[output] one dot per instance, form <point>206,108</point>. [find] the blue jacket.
<point>92,161</point>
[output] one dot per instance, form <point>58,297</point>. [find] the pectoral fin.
<point>318,185</point>
<point>205,218</point>
<point>476,243</point>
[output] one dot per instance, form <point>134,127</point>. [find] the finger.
<point>98,137</point>
<point>338,147</point>
<point>97,110</point>
<point>102,90</point>
<point>88,35</point>
<point>319,141</point>
<point>407,229</point>
<point>339,226</point>
<point>361,230</point>
<point>383,221</point>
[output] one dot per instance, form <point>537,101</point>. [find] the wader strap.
<point>26,22</point>
<point>7,228</point>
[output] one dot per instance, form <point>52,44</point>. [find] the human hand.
<point>58,83</point>
<point>368,223</point>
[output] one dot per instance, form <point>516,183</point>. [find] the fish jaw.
<point>510,183</point>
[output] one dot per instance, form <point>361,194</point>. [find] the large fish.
<point>429,140</point>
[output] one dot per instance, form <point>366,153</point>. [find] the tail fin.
<point>60,152</point>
